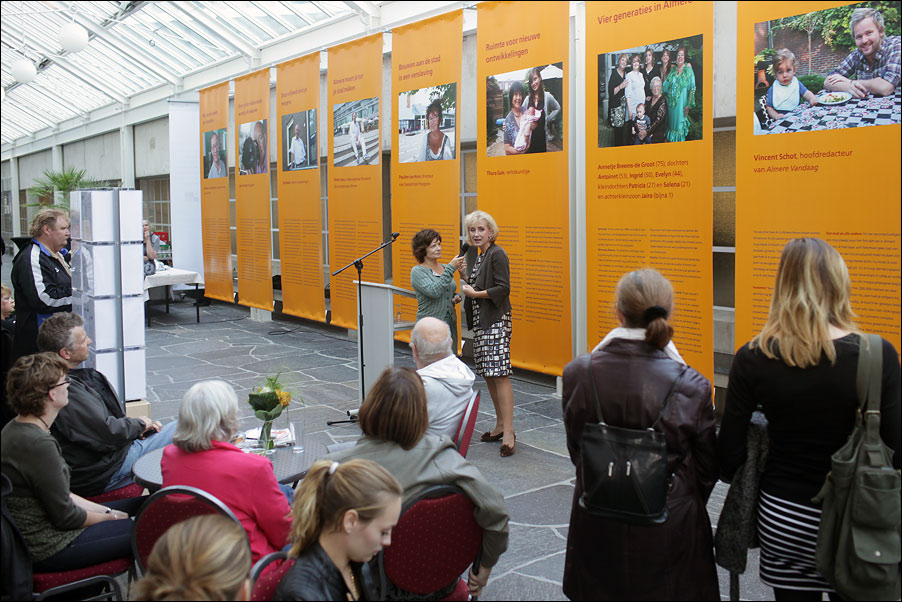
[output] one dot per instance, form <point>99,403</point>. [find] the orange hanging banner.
<point>649,94</point>
<point>300,204</point>
<point>355,173</point>
<point>821,161</point>
<point>214,192</point>
<point>523,181</point>
<point>253,229</point>
<point>426,149</point>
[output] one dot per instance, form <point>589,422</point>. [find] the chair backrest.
<point>435,541</point>
<point>467,425</point>
<point>265,576</point>
<point>167,507</point>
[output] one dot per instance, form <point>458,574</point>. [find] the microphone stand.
<point>358,263</point>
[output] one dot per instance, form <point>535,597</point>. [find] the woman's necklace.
<point>44,423</point>
<point>353,594</point>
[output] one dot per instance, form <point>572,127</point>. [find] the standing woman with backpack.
<point>801,368</point>
<point>629,377</point>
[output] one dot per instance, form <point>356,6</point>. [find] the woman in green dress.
<point>679,89</point>
<point>434,282</point>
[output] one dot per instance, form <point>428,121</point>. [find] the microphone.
<point>395,235</point>
<point>464,247</point>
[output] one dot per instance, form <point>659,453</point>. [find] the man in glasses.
<point>99,442</point>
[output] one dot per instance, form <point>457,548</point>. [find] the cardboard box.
<point>138,408</point>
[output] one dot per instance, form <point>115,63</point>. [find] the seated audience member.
<point>394,419</point>
<point>99,442</point>
<point>447,380</point>
<point>201,456</point>
<point>202,558</point>
<point>62,530</point>
<point>874,67</point>
<point>343,516</point>
<point>7,333</point>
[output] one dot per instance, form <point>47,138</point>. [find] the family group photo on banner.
<point>523,111</point>
<point>651,94</point>
<point>825,70</point>
<point>216,164</point>
<point>254,148</point>
<point>427,119</point>
<point>356,133</point>
<point>299,150</point>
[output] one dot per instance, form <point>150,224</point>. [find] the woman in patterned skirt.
<point>801,369</point>
<point>488,310</point>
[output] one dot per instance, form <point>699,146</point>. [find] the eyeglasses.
<point>66,381</point>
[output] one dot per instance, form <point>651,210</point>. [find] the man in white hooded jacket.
<point>447,380</point>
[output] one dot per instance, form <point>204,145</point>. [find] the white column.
<point>56,153</point>
<point>127,155</point>
<point>578,143</point>
<point>14,190</point>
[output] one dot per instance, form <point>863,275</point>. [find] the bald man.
<point>447,380</point>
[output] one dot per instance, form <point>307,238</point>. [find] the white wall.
<point>33,166</point>
<point>152,148</point>
<point>99,156</point>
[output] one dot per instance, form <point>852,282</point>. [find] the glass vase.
<point>267,443</point>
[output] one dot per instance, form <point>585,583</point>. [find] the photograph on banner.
<point>299,149</point>
<point>426,123</point>
<point>253,154</point>
<point>523,111</point>
<point>828,70</point>
<point>651,94</point>
<point>216,160</point>
<point>356,133</point>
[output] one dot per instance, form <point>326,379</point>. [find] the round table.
<point>289,467</point>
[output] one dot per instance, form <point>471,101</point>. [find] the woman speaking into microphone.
<point>488,310</point>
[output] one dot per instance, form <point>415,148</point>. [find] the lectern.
<point>376,304</point>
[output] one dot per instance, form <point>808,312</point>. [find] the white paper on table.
<point>281,436</point>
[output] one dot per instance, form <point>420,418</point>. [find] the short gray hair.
<point>653,80</point>
<point>432,348</point>
<point>209,412</point>
<point>860,14</point>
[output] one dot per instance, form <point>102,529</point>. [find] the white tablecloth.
<point>170,277</point>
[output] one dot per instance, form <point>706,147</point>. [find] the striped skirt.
<point>788,535</point>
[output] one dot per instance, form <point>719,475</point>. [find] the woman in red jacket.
<point>201,456</point>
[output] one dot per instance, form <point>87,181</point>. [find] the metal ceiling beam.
<point>214,28</point>
<point>369,13</point>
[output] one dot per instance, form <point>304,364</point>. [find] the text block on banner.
<point>822,162</point>
<point>649,94</point>
<point>426,158</point>
<point>522,70</point>
<point>214,192</point>
<point>300,204</point>
<point>253,223</point>
<point>355,175</point>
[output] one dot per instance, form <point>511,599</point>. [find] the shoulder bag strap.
<point>874,386</point>
<point>673,388</point>
<point>862,380</point>
<point>594,388</point>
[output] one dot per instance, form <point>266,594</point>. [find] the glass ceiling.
<point>134,47</point>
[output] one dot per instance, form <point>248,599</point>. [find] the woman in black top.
<point>649,72</point>
<point>537,102</point>
<point>801,368</point>
<point>342,516</point>
<point>616,105</point>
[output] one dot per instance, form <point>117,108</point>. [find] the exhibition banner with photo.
<point>253,229</point>
<point>426,159</point>
<point>523,180</point>
<point>214,192</point>
<point>355,175</point>
<point>300,206</point>
<point>648,162</point>
<point>817,151</point>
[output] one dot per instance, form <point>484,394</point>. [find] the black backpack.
<point>16,559</point>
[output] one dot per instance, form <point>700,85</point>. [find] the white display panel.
<point>98,216</point>
<point>135,374</point>
<point>133,321</point>
<point>132,266</point>
<point>131,227</point>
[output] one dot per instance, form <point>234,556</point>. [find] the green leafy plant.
<point>813,82</point>
<point>53,187</point>
<point>833,23</point>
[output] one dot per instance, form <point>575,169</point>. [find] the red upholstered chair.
<point>56,584</point>
<point>267,573</point>
<point>435,541</point>
<point>467,424</point>
<point>167,507</point>
<point>122,493</point>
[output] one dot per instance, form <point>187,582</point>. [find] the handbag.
<point>858,541</point>
<point>618,114</point>
<point>624,470</point>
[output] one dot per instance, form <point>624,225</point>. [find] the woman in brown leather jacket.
<point>634,367</point>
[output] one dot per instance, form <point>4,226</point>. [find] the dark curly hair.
<point>421,241</point>
<point>29,381</point>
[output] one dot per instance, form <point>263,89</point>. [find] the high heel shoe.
<point>508,450</point>
<point>490,438</point>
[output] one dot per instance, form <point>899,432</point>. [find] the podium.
<point>377,305</point>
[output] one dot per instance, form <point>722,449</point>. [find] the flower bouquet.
<point>268,402</point>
